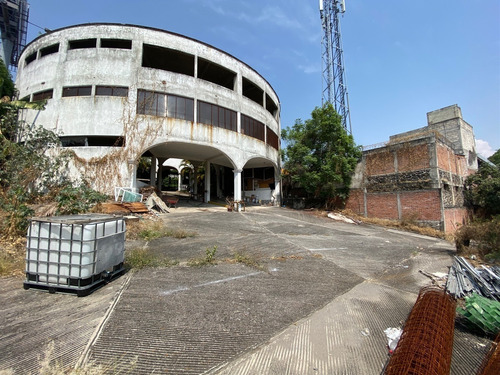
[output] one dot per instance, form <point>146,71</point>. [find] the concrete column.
<point>218,174</point>
<point>160,173</point>
<point>179,178</point>
<point>277,187</point>
<point>152,173</point>
<point>132,165</point>
<point>207,181</point>
<point>237,184</point>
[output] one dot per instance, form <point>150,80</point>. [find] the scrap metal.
<point>464,279</point>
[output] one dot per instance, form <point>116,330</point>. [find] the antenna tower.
<point>334,82</point>
<point>13,28</point>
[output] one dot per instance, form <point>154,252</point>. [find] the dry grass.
<point>149,229</point>
<point>408,224</point>
<point>12,256</point>
<point>143,258</point>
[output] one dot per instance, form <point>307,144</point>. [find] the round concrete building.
<point>119,93</point>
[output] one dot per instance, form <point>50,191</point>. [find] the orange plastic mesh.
<point>491,363</point>
<point>426,344</point>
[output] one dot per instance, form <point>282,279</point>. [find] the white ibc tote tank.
<point>74,252</point>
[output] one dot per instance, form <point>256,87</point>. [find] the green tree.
<point>6,83</point>
<point>495,158</point>
<point>320,156</point>
<point>482,191</point>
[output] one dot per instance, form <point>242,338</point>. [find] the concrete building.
<point>418,175</point>
<point>116,93</point>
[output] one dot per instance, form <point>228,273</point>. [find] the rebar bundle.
<point>426,344</point>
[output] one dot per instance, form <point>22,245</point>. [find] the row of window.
<point>166,105</point>
<point>79,44</point>
<point>81,91</point>
<point>172,60</point>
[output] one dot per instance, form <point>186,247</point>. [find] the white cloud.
<point>483,148</point>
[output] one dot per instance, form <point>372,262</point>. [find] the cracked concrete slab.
<point>317,303</point>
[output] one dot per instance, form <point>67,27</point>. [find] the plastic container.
<point>74,253</point>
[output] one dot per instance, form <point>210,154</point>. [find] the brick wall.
<point>379,163</point>
<point>424,205</point>
<point>413,157</point>
<point>356,201</point>
<point>453,218</point>
<point>382,205</point>
<point>447,160</point>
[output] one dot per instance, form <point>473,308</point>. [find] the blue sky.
<point>402,58</point>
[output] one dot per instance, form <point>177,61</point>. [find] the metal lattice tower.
<point>13,28</point>
<point>334,83</point>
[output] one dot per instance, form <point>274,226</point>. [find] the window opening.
<point>116,43</point>
<point>111,91</point>
<point>180,107</point>
<point>212,114</point>
<point>252,127</point>
<point>253,92</point>
<point>215,73</point>
<point>167,59</point>
<point>165,105</point>
<point>92,140</point>
<point>82,43</point>
<point>54,48</point>
<point>258,178</point>
<point>43,95</point>
<point>77,91</point>
<point>272,139</point>
<point>30,58</point>
<point>271,107</point>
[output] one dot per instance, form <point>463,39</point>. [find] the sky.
<point>402,58</point>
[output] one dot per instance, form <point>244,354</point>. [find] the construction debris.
<point>154,201</point>
<point>480,313</point>
<point>340,217</point>
<point>136,207</point>
<point>464,279</point>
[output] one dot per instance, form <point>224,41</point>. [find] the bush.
<point>77,199</point>
<point>481,237</point>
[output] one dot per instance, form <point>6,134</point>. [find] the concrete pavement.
<point>316,300</point>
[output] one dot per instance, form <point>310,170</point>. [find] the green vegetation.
<point>482,195</point>
<point>320,156</point>
<point>482,190</point>
<point>208,259</point>
<point>77,198</point>
<point>247,260</point>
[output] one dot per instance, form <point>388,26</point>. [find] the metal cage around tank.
<point>74,253</point>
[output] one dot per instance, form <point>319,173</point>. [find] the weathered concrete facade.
<point>418,175</point>
<point>118,92</point>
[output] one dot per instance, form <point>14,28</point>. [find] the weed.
<point>247,260</point>
<point>208,259</point>
<point>143,258</point>
<point>150,230</point>
<point>211,254</point>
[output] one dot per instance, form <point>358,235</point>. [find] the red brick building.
<point>419,174</point>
